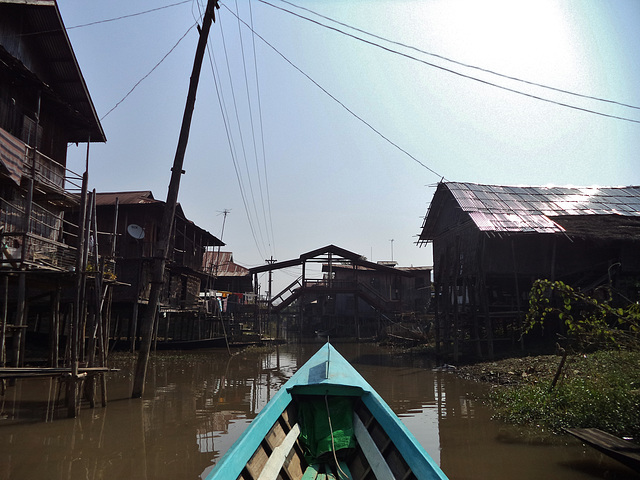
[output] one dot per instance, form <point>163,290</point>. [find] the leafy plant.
<point>589,321</point>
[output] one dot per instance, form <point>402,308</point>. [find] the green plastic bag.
<point>315,432</point>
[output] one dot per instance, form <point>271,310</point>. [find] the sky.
<point>308,136</point>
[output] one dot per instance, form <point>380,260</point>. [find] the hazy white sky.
<point>311,173</point>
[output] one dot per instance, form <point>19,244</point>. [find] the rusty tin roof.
<point>522,209</point>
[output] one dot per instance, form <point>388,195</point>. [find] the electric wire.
<point>122,17</point>
<point>261,123</point>
<point>242,143</point>
<point>232,149</point>
<point>449,70</point>
<point>442,57</point>
<point>341,103</point>
<point>97,22</point>
<point>253,130</point>
<point>149,73</point>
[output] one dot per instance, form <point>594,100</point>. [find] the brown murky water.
<point>197,404</point>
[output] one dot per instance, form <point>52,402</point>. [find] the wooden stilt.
<point>3,328</point>
<point>133,327</point>
<point>20,320</point>
<point>54,333</point>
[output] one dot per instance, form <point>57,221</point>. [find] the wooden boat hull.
<point>624,451</point>
<point>277,443</point>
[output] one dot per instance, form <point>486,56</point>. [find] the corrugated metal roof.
<point>126,198</point>
<point>495,208</point>
<point>221,264</point>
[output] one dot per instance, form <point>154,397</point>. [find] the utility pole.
<point>271,261</point>
<point>162,245</point>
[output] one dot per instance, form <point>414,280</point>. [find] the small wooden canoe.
<point>624,451</point>
<point>328,423</point>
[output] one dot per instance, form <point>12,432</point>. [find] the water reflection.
<point>197,404</point>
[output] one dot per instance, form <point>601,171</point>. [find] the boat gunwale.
<point>306,378</point>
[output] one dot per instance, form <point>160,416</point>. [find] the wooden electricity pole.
<point>162,245</point>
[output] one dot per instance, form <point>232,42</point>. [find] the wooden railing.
<point>40,244</point>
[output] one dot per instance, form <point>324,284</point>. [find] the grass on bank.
<point>596,390</point>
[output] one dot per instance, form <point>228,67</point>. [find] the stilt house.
<point>229,291</point>
<point>44,106</point>
<point>354,298</point>
<point>138,216</point>
<point>226,275</point>
<point>490,243</point>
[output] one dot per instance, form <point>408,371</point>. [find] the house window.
<point>29,132</point>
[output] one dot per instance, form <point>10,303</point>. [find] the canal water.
<point>197,404</point>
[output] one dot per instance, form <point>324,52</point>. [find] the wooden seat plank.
<point>376,461</point>
<point>279,455</point>
<point>311,472</point>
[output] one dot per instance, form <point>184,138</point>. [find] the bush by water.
<point>597,390</point>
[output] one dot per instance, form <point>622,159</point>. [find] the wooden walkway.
<point>28,372</point>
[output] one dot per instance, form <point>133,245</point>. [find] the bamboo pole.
<point>54,333</point>
<point>74,327</point>
<point>5,312</point>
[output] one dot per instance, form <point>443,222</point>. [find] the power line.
<point>149,73</point>
<point>339,102</point>
<point>242,143</point>
<point>442,57</point>
<point>232,151</point>
<point>122,17</point>
<point>264,153</point>
<point>449,70</point>
<point>253,129</point>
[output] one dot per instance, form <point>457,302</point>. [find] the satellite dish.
<point>136,231</point>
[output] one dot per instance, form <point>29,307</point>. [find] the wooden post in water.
<point>3,329</point>
<point>73,403</point>
<point>162,245</point>
<point>54,334</point>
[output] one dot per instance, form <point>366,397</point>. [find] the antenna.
<point>224,212</point>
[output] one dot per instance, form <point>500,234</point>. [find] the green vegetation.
<point>589,321</point>
<point>599,388</point>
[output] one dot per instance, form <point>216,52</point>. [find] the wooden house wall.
<point>411,293</point>
<point>582,263</point>
<point>19,99</point>
<point>456,253</point>
<point>192,293</point>
<point>183,291</point>
<point>416,291</point>
<point>188,245</point>
<point>134,256</point>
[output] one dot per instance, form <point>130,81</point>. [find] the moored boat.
<point>624,451</point>
<point>326,422</point>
